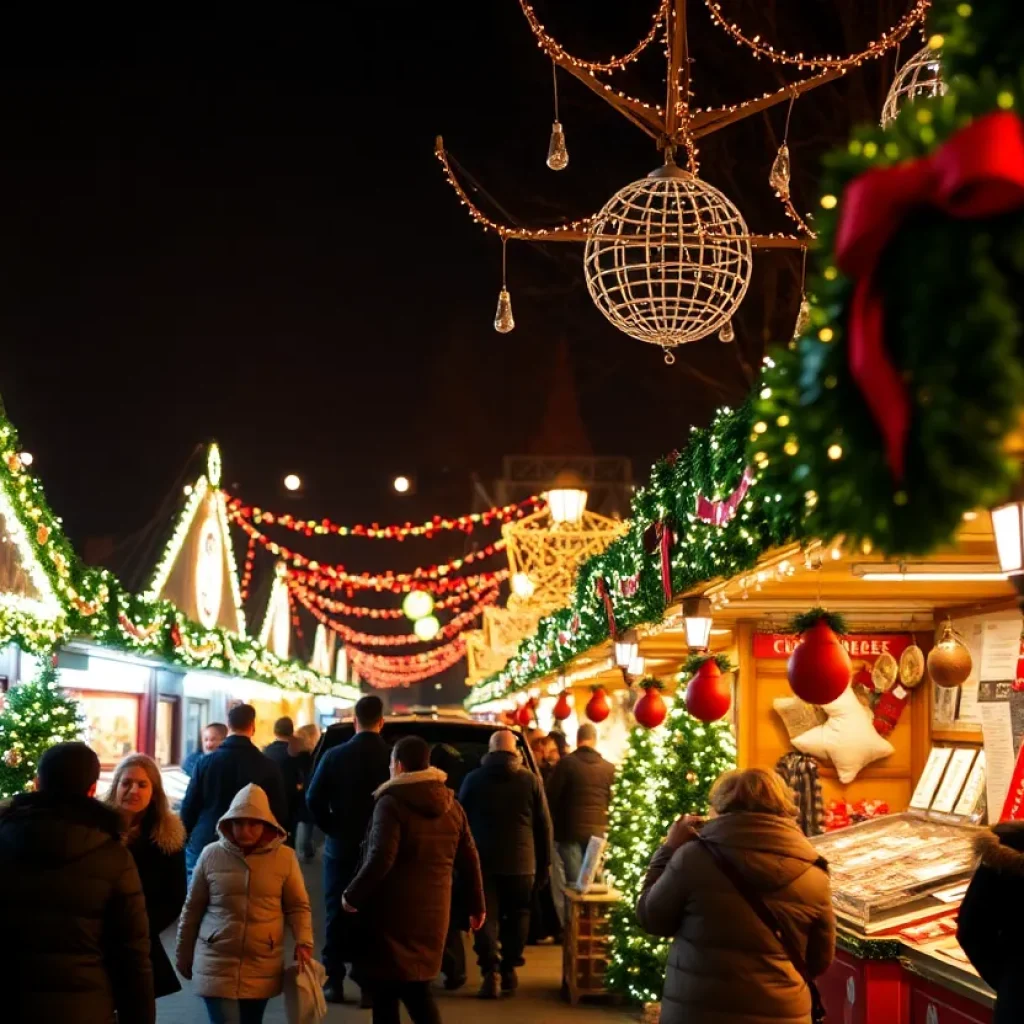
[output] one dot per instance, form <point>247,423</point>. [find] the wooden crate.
<point>585,947</point>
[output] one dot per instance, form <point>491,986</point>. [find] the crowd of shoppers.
<point>419,850</point>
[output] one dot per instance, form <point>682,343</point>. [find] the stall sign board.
<point>866,646</point>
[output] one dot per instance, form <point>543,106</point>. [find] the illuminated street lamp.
<point>402,484</point>
<point>697,620</point>
<point>292,482</point>
<point>567,500</point>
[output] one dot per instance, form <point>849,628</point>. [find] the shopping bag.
<point>304,1001</point>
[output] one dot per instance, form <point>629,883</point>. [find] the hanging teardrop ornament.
<point>727,333</point>
<point>779,176</point>
<point>503,319</point>
<point>803,318</point>
<point>558,153</point>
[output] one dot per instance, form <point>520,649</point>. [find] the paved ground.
<point>538,1000</point>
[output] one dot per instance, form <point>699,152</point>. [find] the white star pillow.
<point>848,738</point>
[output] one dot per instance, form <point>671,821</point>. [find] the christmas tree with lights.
<point>666,772</point>
<point>34,717</point>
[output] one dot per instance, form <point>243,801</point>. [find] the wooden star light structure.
<point>668,258</point>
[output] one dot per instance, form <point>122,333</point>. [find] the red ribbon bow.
<point>979,172</point>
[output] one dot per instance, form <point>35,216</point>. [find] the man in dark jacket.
<point>218,778</point>
<point>213,736</point>
<point>579,792</point>
<point>508,817</point>
<point>340,798</point>
<point>990,916</point>
<point>283,753</point>
<point>74,936</point>
<point>418,836</point>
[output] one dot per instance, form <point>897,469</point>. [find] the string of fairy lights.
<point>327,591</point>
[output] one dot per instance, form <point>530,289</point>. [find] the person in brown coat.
<point>725,966</point>
<point>418,836</point>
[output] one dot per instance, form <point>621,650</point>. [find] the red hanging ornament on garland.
<point>650,710</point>
<point>598,708</point>
<point>708,694</point>
<point>562,709</point>
<point>524,715</point>
<point>819,670</point>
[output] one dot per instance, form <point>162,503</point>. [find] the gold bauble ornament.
<point>12,758</point>
<point>949,661</point>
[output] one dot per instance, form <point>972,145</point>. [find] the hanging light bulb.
<point>503,319</point>
<point>558,153</point>
<point>727,333</point>
<point>779,175</point>
<point>803,318</point>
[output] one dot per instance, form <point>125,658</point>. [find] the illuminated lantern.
<point>418,604</point>
<point>650,710</point>
<point>819,669</point>
<point>598,708</point>
<point>562,709</point>
<point>426,628</point>
<point>708,696</point>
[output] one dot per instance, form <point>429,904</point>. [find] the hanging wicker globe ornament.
<point>668,259</point>
<point>920,77</point>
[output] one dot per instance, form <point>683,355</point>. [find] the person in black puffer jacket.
<point>508,817</point>
<point>74,935</point>
<point>579,792</point>
<point>990,916</point>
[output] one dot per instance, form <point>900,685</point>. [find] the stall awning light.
<point>626,649</point>
<point>1008,526</point>
<point>927,572</point>
<point>697,620</point>
<point>567,505</point>
<point>522,586</point>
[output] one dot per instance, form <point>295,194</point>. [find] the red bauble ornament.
<point>650,710</point>
<point>562,709</point>
<point>525,714</point>
<point>708,696</point>
<point>598,708</point>
<point>819,669</point>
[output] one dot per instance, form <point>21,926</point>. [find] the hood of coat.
<point>1002,847</point>
<point>39,829</point>
<point>251,802</point>
<point>769,850</point>
<point>424,792</point>
<point>501,763</point>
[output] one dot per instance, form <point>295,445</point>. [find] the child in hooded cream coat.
<point>231,933</point>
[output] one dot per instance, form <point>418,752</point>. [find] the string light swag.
<point>445,585</point>
<point>374,531</point>
<point>642,271</point>
<point>335,607</point>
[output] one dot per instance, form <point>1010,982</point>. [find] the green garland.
<point>712,466</point>
<point>93,604</point>
<point>693,663</point>
<point>952,292</point>
<point>810,618</point>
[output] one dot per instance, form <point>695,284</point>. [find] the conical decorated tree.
<point>34,717</point>
<point>666,772</point>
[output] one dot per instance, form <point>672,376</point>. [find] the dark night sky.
<point>232,225</point>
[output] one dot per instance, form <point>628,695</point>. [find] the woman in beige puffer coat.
<point>231,933</point>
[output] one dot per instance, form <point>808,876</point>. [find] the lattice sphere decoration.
<point>668,259</point>
<point>920,77</point>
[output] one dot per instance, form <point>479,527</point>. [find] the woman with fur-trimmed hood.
<point>155,837</point>
<point>991,915</point>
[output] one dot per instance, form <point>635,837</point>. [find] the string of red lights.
<point>452,628</point>
<point>335,607</point>
<point>387,672</point>
<point>374,531</point>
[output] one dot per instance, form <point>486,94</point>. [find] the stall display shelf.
<point>886,872</point>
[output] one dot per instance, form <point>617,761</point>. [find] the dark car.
<point>457,743</point>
